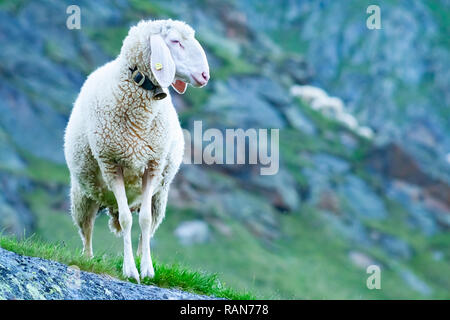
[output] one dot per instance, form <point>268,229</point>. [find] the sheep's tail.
<point>114,224</point>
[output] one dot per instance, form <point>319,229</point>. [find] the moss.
<point>110,39</point>
<point>41,170</point>
<point>145,8</point>
<point>12,6</point>
<point>289,40</point>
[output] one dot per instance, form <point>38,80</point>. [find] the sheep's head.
<point>176,57</point>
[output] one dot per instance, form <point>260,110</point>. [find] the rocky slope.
<point>386,198</point>
<point>31,278</point>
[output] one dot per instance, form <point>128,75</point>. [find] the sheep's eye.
<point>176,41</point>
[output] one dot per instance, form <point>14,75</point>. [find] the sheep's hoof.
<point>147,270</point>
<point>130,271</point>
<point>88,253</point>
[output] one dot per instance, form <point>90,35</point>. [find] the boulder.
<point>192,232</point>
<point>29,278</point>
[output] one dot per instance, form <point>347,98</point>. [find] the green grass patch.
<point>145,8</point>
<point>45,171</point>
<point>166,276</point>
<point>109,39</point>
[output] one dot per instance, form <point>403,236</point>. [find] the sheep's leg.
<point>84,211</point>
<point>145,222</point>
<point>126,221</point>
<point>159,203</point>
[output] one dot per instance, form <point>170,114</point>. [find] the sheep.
<point>331,107</point>
<point>122,145</point>
<point>308,93</point>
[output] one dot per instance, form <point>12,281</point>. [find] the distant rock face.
<point>392,161</point>
<point>27,278</point>
<point>394,80</point>
<point>15,217</point>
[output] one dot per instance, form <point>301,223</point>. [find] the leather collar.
<point>141,80</point>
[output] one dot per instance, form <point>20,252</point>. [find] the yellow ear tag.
<point>158,66</point>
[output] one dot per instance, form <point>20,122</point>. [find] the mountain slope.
<point>339,202</point>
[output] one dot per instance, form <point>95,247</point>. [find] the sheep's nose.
<point>205,75</point>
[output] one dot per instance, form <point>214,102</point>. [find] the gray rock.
<point>361,199</point>
<point>348,140</point>
<point>192,232</point>
<point>350,229</point>
<point>415,283</point>
<point>238,104</point>
<point>361,259</point>
<point>395,246</point>
<point>9,158</point>
<point>299,121</point>
<point>409,196</point>
<point>29,278</point>
<point>19,117</point>
<point>330,164</point>
<point>15,217</point>
<point>255,212</point>
<point>280,188</point>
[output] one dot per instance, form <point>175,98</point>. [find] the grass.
<point>110,39</point>
<point>166,276</point>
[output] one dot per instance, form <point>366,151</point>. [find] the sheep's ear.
<point>179,86</point>
<point>162,64</point>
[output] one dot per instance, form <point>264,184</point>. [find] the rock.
<point>421,134</point>
<point>28,278</point>
<point>362,200</point>
<point>443,218</point>
<point>415,283</point>
<point>254,212</point>
<point>321,177</point>
<point>438,255</point>
<point>192,232</point>
<point>329,201</point>
<point>245,106</point>
<point>350,229</point>
<point>395,246</point>
<point>298,69</point>
<point>280,188</point>
<point>393,161</point>
<point>361,259</point>
<point>330,164</point>
<point>9,158</point>
<point>411,198</point>
<point>44,140</point>
<point>423,219</point>
<point>15,217</point>
<point>299,121</point>
<point>348,140</point>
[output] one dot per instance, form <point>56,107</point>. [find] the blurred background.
<point>363,181</point>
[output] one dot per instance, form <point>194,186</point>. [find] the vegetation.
<point>167,276</point>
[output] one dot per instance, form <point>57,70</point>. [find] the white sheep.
<point>308,93</point>
<point>123,147</point>
<point>331,107</point>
